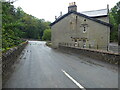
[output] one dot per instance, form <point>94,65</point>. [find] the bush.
<point>47,35</point>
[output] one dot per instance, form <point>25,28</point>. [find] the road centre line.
<point>80,86</point>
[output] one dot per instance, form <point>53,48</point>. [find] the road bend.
<point>42,67</point>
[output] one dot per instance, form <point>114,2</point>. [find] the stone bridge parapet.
<point>9,58</point>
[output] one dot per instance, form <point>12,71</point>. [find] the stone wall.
<point>9,58</point>
<point>104,19</point>
<point>105,56</point>
<point>77,29</point>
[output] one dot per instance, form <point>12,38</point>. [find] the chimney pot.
<point>55,17</point>
<point>60,13</point>
<point>72,7</point>
<point>74,3</point>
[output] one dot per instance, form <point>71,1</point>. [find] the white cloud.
<point>48,9</point>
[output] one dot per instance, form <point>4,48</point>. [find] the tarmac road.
<point>42,67</point>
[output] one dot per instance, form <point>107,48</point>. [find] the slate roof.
<point>80,14</point>
<point>96,13</point>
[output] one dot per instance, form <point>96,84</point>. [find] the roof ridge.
<point>94,10</point>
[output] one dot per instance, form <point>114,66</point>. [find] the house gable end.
<point>93,19</point>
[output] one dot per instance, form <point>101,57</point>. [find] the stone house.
<point>89,29</point>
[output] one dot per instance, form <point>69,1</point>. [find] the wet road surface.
<point>42,67</point>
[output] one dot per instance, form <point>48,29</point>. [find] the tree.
<point>16,25</point>
<point>10,26</point>
<point>47,35</point>
<point>115,21</point>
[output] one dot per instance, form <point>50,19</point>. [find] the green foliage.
<point>47,35</point>
<point>115,21</point>
<point>16,24</point>
<point>10,26</point>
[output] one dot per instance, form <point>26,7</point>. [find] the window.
<point>84,19</point>
<point>84,29</point>
<point>75,40</point>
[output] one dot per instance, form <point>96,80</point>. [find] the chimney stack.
<point>72,7</point>
<point>60,13</point>
<point>108,9</point>
<point>55,17</point>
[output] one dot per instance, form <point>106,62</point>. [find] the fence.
<point>108,48</point>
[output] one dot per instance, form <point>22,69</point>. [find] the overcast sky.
<point>48,9</point>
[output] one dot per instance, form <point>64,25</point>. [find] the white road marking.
<point>80,86</point>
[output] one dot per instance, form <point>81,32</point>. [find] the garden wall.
<point>105,56</point>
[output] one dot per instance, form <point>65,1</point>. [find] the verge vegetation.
<point>115,21</point>
<point>17,26</point>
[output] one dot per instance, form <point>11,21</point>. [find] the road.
<point>42,67</point>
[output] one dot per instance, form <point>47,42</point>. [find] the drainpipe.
<point>108,17</point>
